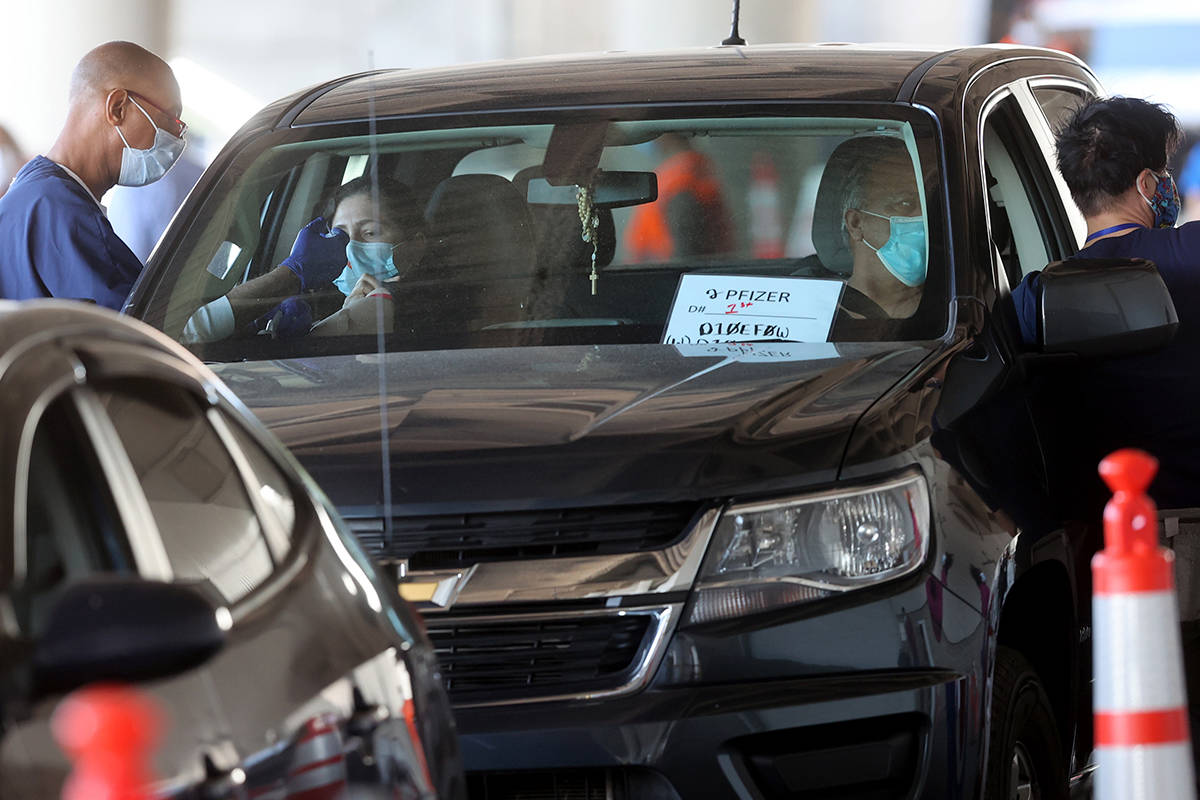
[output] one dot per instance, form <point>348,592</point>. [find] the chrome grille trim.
<point>671,569</point>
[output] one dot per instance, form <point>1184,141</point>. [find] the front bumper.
<point>881,700</point>
<point>873,741</point>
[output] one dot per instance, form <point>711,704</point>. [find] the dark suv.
<point>690,507</point>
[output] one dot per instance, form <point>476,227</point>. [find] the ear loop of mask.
<point>125,141</point>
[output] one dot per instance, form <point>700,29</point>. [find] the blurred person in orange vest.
<point>689,217</point>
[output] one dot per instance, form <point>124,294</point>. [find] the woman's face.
<point>356,215</point>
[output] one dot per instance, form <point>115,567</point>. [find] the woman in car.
<point>387,244</point>
<point>375,235</point>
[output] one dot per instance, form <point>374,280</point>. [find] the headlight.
<point>770,554</point>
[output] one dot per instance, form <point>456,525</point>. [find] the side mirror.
<point>123,629</point>
<point>612,190</point>
<point>1105,307</point>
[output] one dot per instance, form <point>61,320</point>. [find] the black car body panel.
<point>606,419</point>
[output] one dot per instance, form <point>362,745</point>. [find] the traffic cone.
<point>766,224</point>
<point>109,732</point>
<point>1143,749</point>
<point>318,770</point>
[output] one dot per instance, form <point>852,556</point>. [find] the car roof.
<point>834,72</point>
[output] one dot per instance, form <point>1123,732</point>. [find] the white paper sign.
<point>711,309</point>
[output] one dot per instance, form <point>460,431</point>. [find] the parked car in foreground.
<point>700,523</point>
<point>153,532</point>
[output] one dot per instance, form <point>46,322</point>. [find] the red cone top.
<point>1128,470</point>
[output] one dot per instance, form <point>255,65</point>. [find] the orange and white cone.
<point>1143,749</point>
<point>319,767</point>
<point>766,224</point>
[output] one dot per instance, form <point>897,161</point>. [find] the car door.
<point>1030,222</point>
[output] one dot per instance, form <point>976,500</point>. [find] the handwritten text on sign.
<point>709,309</point>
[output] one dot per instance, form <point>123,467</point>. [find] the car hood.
<point>520,427</point>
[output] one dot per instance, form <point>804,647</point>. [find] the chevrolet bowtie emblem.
<point>433,587</point>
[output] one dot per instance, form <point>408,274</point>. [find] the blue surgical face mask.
<point>366,258</point>
<point>140,167</point>
<point>1164,202</point>
<point>904,252</point>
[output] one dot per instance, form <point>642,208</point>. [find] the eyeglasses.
<point>180,123</point>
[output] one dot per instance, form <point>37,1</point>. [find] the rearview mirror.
<point>123,629</point>
<point>1105,307</point>
<point>612,190</point>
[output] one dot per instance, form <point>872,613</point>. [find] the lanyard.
<point>1124,226</point>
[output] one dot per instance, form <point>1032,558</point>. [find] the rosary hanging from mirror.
<point>590,220</point>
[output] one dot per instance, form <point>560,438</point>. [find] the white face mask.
<point>140,167</point>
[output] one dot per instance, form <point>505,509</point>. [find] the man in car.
<point>1113,155</point>
<point>122,128</point>
<point>885,231</point>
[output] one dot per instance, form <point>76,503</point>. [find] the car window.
<point>71,528</point>
<point>1058,103</point>
<point>209,527</point>
<point>580,231</point>
<point>1018,186</point>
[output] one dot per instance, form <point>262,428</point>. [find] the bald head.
<point>125,65</point>
<point>121,94</point>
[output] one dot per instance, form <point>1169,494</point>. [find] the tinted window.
<point>1058,103</point>
<point>208,525</point>
<point>1022,201</point>
<point>581,231</point>
<point>71,526</point>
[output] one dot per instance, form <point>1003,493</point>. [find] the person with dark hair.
<point>1113,154</point>
<point>370,232</point>
<point>387,244</point>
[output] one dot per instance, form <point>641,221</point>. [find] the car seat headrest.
<point>480,221</point>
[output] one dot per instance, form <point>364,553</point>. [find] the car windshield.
<point>580,228</point>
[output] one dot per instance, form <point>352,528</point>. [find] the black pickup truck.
<point>691,507</point>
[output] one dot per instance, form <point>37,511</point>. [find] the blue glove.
<point>317,257</point>
<point>290,319</point>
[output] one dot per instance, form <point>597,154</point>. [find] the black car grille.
<point>493,659</point>
<point>459,540</point>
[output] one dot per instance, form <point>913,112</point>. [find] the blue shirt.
<point>1148,400</point>
<point>56,242</point>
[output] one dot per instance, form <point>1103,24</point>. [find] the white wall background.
<point>240,54</point>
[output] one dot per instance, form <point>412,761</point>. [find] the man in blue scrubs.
<point>122,128</point>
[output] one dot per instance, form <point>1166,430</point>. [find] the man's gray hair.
<point>881,148</point>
